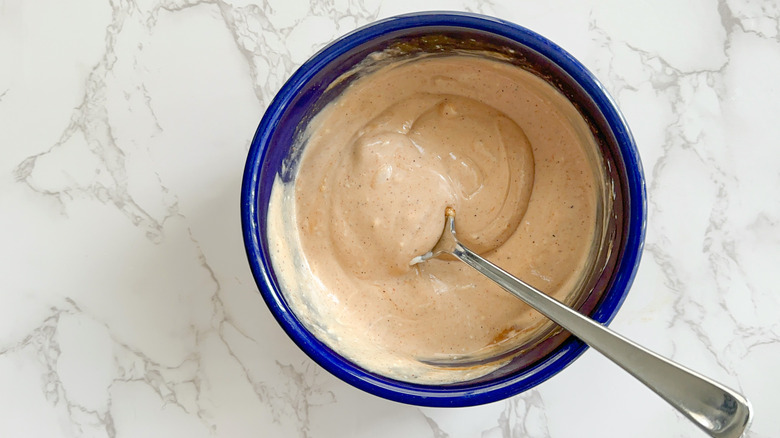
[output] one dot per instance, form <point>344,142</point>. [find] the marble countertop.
<point>128,308</point>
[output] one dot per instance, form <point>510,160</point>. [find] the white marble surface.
<point>127,308</point>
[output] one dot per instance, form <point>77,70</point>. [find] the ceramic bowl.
<point>309,89</point>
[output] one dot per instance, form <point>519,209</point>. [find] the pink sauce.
<point>501,146</point>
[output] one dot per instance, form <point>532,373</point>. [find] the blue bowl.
<point>307,91</point>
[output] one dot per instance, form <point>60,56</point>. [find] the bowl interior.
<point>310,89</point>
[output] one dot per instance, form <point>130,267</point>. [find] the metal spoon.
<point>719,411</point>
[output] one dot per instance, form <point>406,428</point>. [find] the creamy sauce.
<point>381,163</point>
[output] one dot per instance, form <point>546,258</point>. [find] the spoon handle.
<point>719,411</point>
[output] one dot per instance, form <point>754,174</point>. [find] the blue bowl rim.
<point>434,395</point>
